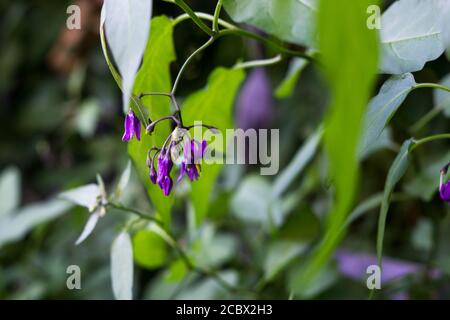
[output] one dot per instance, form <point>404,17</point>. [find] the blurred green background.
<point>61,120</point>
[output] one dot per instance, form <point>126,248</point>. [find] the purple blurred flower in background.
<point>254,104</point>
<point>444,188</point>
<point>132,126</point>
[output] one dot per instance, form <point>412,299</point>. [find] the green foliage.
<point>290,20</point>
<point>150,251</point>
<point>396,172</point>
<point>345,59</point>
<point>154,76</point>
<point>218,95</point>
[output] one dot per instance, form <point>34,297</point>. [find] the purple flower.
<point>165,165</point>
<point>153,174</point>
<point>193,153</point>
<point>132,126</point>
<point>254,104</point>
<point>444,188</point>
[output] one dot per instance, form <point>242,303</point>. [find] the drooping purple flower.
<point>132,126</point>
<point>165,165</point>
<point>193,154</point>
<point>153,174</point>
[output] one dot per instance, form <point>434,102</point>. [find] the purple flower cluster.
<point>192,154</point>
<point>178,149</point>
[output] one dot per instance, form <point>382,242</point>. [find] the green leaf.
<point>9,190</point>
<point>252,200</point>
<point>122,267</point>
<point>396,172</point>
<point>287,86</point>
<point>154,76</point>
<point>18,223</point>
<point>350,58</point>
<point>279,255</point>
<point>290,20</point>
<point>127,24</point>
<point>442,98</point>
<point>212,105</point>
<point>150,250</point>
<point>298,163</point>
<point>411,35</point>
<point>383,107</point>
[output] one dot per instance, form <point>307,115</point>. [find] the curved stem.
<point>259,63</point>
<point>144,94</point>
<point>215,26</point>
<point>430,139</point>
<point>186,63</point>
<point>431,85</point>
<point>136,212</point>
<point>152,125</point>
<point>204,16</point>
<point>424,120</point>
<point>194,17</point>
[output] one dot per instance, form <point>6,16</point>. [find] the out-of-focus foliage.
<point>62,121</point>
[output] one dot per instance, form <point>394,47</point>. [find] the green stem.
<point>194,17</point>
<point>215,26</point>
<point>430,139</point>
<point>259,63</point>
<point>143,94</point>
<point>431,85</point>
<point>422,122</point>
<point>186,63</point>
<point>204,16</point>
<point>136,212</point>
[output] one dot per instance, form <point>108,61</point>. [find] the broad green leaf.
<point>290,20</point>
<point>441,97</point>
<point>384,141</point>
<point>211,249</point>
<point>9,190</point>
<point>326,277</point>
<point>150,250</point>
<point>127,26</point>
<point>396,172</point>
<point>15,225</point>
<point>287,86</point>
<point>154,76</point>
<point>122,267</point>
<point>350,58</point>
<point>383,107</point>
<point>89,227</point>
<point>411,35</point>
<point>298,163</point>
<point>209,289</point>
<point>86,196</point>
<point>252,200</point>
<point>212,105</point>
<point>279,255</point>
